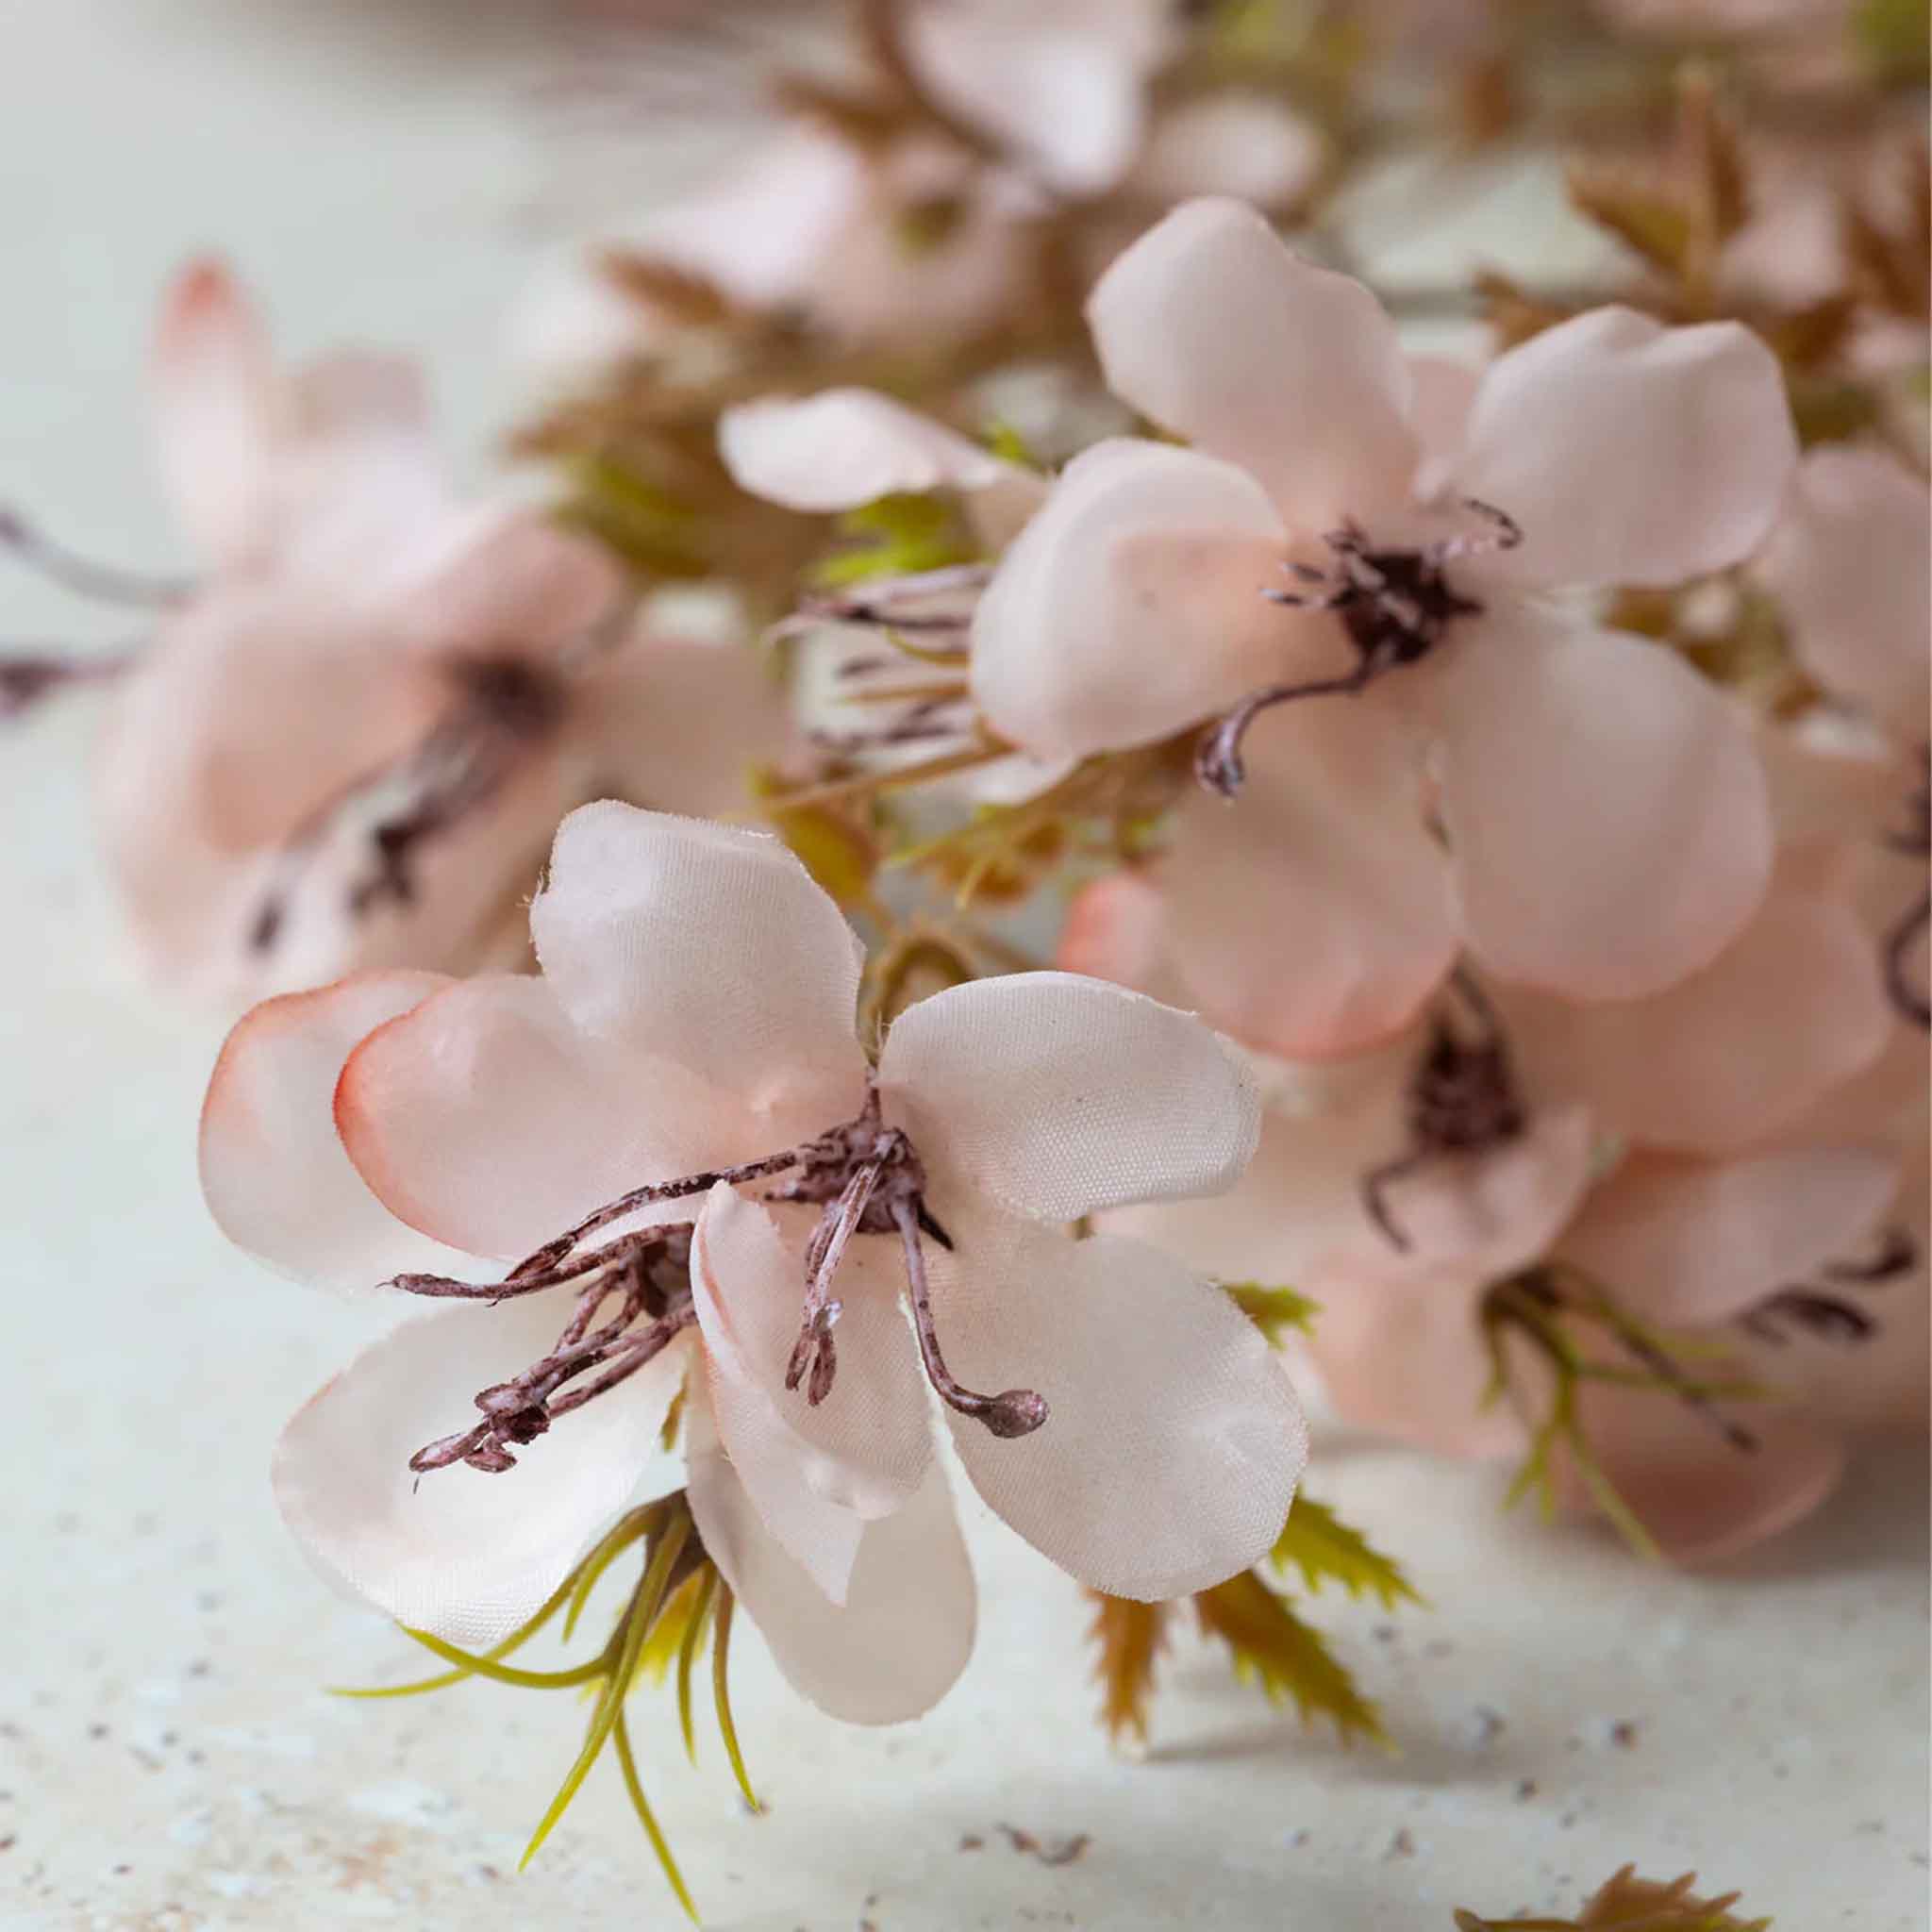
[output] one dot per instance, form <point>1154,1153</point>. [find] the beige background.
<point>167,1757</point>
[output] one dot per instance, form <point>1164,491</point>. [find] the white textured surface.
<point>167,1757</point>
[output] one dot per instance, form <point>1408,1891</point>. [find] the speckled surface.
<point>168,1759</point>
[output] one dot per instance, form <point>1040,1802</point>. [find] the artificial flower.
<point>746,1208</point>
<point>349,742</point>
<point>1605,818</point>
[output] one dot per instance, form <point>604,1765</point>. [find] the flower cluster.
<point>1253,857</point>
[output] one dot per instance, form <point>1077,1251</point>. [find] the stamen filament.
<point>1014,1412</point>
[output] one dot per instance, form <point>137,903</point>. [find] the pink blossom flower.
<point>372,679</point>
<point>934,223</point>
<point>1606,821</point>
<point>694,1020</point>
<point>1759,1261</point>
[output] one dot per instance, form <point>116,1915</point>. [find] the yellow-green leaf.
<point>1890,35</point>
<point>1656,225</point>
<point>1131,1636</point>
<point>1274,1311</point>
<point>1272,1647</point>
<point>893,536</point>
<point>1317,1543</point>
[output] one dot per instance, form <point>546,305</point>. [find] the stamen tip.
<point>1016,1413</point>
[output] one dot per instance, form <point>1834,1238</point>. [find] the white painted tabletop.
<point>169,1758</point>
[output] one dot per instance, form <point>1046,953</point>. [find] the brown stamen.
<point>1395,606</point>
<point>865,1177</point>
<point>1014,1412</point>
<point>1462,1099</point>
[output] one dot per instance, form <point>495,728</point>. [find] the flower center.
<point>1463,1098</point>
<point>502,705</point>
<point>866,1178</point>
<point>1395,606</point>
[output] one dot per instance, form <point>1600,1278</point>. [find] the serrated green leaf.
<point>1317,1543</point>
<point>1274,1311</point>
<point>1131,1636</point>
<point>1272,1647</point>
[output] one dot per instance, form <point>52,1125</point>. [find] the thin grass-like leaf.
<point>634,1785</point>
<point>470,1662</point>
<point>687,1657</point>
<point>645,1606</point>
<point>721,1693</point>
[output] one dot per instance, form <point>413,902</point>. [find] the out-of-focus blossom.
<point>695,1019</point>
<point>1606,817</point>
<point>920,207</point>
<point>1778,1265</point>
<point>350,741</point>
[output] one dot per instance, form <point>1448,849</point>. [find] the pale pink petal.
<point>500,582</point>
<point>464,1554</point>
<point>1690,1242</point>
<point>1172,1442</point>
<point>211,376</point>
<point>352,393</point>
<point>679,724</point>
<point>764,231</point>
<point>1446,392</point>
<point>482,1118</point>
<point>1300,1216</point>
<point>904,1630</point>
<point>274,1172</point>
<point>1059,85</point>
<point>1212,328</point>
<point>1115,929</point>
<point>1608,823</point>
<point>1700,1496</point>
<point>1490,1213</point>
<point>1878,1387</point>
<point>1131,605</point>
<point>845,447</point>
<point>250,711</point>
<point>811,1473</point>
<point>1628,451</point>
<point>1787,1011</point>
<point>1849,563</point>
<point>1059,1096</point>
<point>1251,146</point>
<point>1406,1358</point>
<point>712,948</point>
<point>1313,916</point>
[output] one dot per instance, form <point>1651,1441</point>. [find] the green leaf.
<point>643,524</point>
<point>1272,1646</point>
<point>1005,442</point>
<point>1317,1543</point>
<point>894,537</point>
<point>1274,1311</point>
